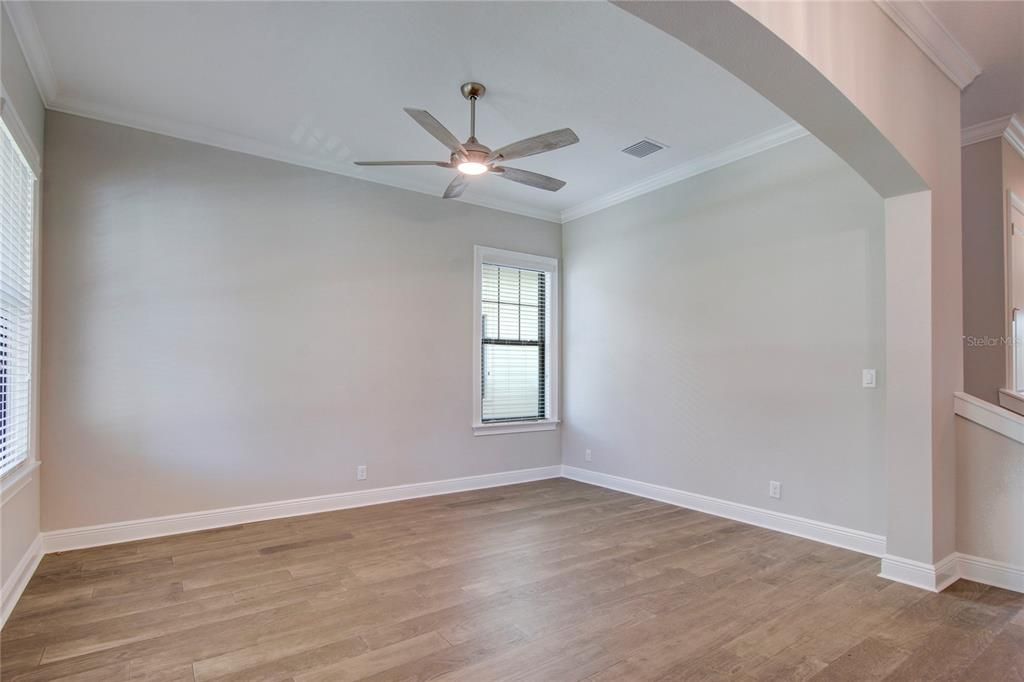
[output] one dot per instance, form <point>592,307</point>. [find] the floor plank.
<point>554,580</point>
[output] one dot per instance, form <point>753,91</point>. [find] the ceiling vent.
<point>644,147</point>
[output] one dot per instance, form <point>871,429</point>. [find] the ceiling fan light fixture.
<point>470,158</point>
<point>472,168</point>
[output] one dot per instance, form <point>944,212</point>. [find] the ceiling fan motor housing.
<point>475,152</point>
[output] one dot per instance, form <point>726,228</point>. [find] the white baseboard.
<point>995,573</point>
<point>931,577</point>
<point>127,531</point>
<point>18,580</point>
<point>926,576</point>
<point>847,538</point>
<point>937,577</point>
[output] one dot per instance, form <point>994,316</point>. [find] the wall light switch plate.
<point>869,378</point>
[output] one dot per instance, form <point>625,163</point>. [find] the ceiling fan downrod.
<point>472,91</point>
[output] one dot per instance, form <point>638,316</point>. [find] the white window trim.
<point>513,259</point>
<point>993,417</point>
<point>1012,202</point>
<point>21,137</point>
<point>13,480</point>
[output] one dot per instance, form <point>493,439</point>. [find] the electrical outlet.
<point>775,489</point>
<point>868,378</point>
<point>361,472</point>
<point>588,456</point>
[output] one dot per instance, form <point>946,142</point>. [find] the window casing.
<point>17,227</point>
<point>1014,256</point>
<point>515,342</point>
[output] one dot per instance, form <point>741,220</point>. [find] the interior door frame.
<point>1013,202</point>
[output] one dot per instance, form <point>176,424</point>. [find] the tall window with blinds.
<point>516,358</point>
<point>512,320</point>
<point>17,200</point>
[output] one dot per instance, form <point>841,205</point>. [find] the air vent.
<point>644,147</point>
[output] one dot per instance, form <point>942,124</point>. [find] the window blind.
<point>513,352</point>
<point>17,198</point>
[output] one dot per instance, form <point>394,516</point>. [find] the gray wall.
<point>223,330</point>
<point>989,494</point>
<point>715,331</point>
<point>19,514</point>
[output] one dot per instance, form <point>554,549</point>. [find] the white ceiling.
<point>323,84</point>
<point>993,34</point>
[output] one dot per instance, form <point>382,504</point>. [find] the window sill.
<point>993,417</point>
<point>1011,400</point>
<point>16,479</point>
<point>497,428</point>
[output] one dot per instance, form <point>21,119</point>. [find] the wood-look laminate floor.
<point>554,580</point>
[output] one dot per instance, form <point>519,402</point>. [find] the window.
<point>17,203</point>
<point>512,311</point>
<point>515,363</point>
<point>1018,350</point>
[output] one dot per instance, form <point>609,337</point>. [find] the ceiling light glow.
<point>472,168</point>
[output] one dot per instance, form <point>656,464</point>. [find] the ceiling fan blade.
<point>442,164</point>
<point>545,142</point>
<point>456,188</point>
<point>529,178</point>
<point>434,127</point>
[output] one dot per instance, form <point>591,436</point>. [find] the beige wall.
<point>990,494</point>
<point>984,272</point>
<point>991,170</point>
<point>715,332</point>
<point>224,330</point>
<point>19,514</point>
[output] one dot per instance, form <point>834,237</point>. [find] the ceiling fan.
<point>472,158</point>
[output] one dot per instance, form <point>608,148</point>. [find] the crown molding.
<point>933,38</point>
<point>1010,128</point>
<point>247,145</point>
<point>27,31</point>
<point>32,45</point>
<point>1014,134</point>
<point>23,21</point>
<point>980,132</point>
<point>702,164</point>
